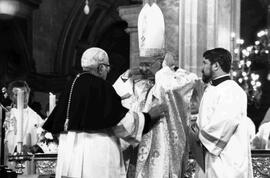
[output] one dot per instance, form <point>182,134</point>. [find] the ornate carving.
<point>260,164</point>
<point>19,159</point>
<point>44,167</point>
<point>45,163</point>
<point>261,167</point>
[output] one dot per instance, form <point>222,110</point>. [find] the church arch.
<point>101,28</point>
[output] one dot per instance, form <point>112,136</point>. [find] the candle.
<point>51,102</point>
<point>20,106</point>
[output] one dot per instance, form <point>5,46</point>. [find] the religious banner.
<point>151,31</point>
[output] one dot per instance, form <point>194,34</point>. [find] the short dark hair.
<point>220,55</point>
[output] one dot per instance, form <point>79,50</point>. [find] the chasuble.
<point>163,150</point>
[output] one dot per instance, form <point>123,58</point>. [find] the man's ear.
<point>100,69</point>
<point>216,66</point>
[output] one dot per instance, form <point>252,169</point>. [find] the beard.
<point>207,78</point>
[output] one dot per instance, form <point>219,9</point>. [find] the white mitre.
<point>151,31</point>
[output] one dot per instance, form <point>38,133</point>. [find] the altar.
<point>260,164</point>
<point>45,165</point>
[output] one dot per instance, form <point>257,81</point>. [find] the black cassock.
<point>94,105</point>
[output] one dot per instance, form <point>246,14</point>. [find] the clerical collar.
<point>219,80</point>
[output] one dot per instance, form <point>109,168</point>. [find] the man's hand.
<point>156,112</point>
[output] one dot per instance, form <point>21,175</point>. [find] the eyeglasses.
<point>108,66</point>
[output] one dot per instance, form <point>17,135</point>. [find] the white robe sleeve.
<point>123,86</point>
<point>36,122</point>
<point>223,122</point>
<point>130,128</point>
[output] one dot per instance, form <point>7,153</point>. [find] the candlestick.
<point>52,99</point>
<point>20,106</point>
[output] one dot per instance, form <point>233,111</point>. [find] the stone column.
<point>170,10</point>
<point>130,15</point>
<point>204,25</point>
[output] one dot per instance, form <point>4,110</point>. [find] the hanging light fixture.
<point>86,8</point>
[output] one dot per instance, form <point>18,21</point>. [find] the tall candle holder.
<point>19,157</point>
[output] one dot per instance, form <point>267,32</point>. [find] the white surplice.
<point>97,155</point>
<point>224,132</point>
<point>261,139</point>
<point>31,122</point>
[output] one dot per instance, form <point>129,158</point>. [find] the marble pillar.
<point>204,25</point>
<point>130,15</point>
<point>170,10</point>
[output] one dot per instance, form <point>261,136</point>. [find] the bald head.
<point>93,57</point>
<point>96,61</point>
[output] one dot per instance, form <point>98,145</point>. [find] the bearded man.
<point>222,123</point>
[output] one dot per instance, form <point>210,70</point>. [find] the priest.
<point>221,126</point>
<point>163,150</point>
<point>90,119</point>
<point>29,123</point>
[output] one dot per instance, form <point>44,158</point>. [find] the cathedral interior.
<point>41,41</point>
